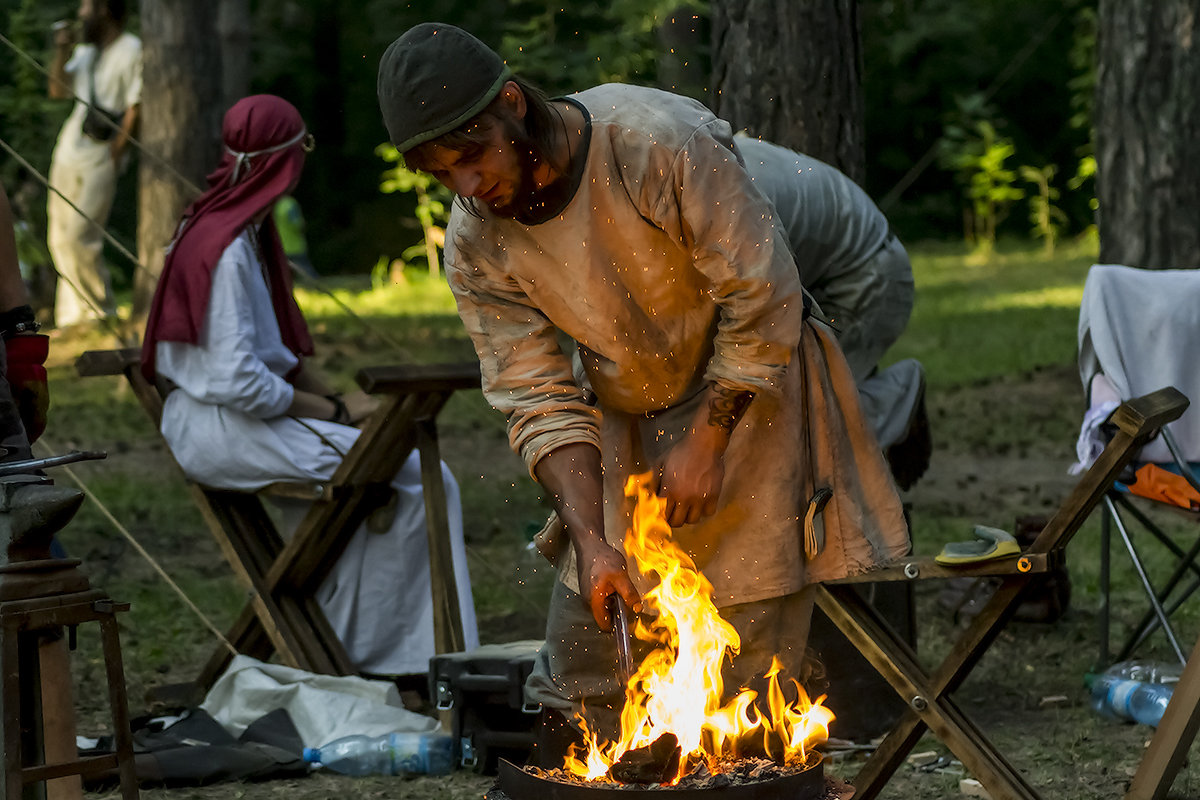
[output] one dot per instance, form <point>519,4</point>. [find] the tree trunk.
<point>1147,127</point>
<point>180,125</point>
<point>791,72</point>
<point>233,28</point>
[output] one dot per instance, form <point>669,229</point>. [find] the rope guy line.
<point>158,568</point>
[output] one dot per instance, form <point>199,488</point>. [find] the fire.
<point>678,688</point>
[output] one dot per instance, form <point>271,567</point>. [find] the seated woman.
<point>244,409</point>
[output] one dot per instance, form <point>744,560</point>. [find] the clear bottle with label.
<point>1137,701</point>
<point>398,753</point>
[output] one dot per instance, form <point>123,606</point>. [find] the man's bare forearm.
<point>726,406</point>
<point>128,124</point>
<point>58,88</point>
<point>573,476</point>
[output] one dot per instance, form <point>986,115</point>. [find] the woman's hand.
<point>360,405</point>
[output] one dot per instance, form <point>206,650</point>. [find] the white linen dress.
<point>226,426</point>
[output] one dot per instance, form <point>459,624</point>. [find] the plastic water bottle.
<point>399,753</point>
<point>1145,671</point>
<point>1138,701</point>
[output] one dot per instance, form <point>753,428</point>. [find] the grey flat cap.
<point>434,78</point>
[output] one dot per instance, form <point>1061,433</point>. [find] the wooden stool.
<point>39,597</point>
<point>22,624</point>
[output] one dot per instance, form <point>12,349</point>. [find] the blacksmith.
<point>635,308</point>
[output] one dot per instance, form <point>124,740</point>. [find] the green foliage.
<point>1082,58</point>
<point>568,47</point>
<point>919,55</point>
<point>432,205</point>
<point>29,120</point>
<point>1046,217</point>
<point>978,156</point>
<point>1085,172</point>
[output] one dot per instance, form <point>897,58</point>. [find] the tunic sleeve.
<point>526,374</point>
<point>239,361</point>
<point>133,75</point>
<point>79,58</point>
<point>710,205</point>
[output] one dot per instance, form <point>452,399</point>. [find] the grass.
<point>998,344</point>
<point>976,322</point>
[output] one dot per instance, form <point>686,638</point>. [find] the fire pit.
<point>681,736</point>
<point>753,779</point>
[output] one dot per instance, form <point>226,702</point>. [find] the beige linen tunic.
<point>667,270</point>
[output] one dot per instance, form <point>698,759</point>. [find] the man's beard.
<point>524,192</point>
<point>92,28</point>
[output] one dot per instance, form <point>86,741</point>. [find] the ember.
<point>678,690</point>
<point>740,779</point>
<point>728,772</point>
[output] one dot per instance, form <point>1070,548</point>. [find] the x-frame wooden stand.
<point>281,617</point>
<point>928,693</point>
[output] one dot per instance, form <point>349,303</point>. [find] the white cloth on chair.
<point>1139,327</point>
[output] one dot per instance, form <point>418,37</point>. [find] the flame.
<point>678,687</point>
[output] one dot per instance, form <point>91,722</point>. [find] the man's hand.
<point>691,475</point>
<point>572,474</point>
<point>601,572</point>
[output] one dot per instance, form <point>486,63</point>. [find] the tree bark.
<point>180,125</point>
<point>1147,129</point>
<point>233,28</point>
<point>791,72</point>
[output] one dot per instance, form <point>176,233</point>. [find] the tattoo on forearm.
<point>727,406</point>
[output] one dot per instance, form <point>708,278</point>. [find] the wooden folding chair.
<point>282,618</point>
<point>1174,736</point>
<point>927,694</point>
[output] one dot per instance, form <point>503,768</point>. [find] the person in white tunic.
<point>105,70</point>
<point>622,218</point>
<point>245,409</point>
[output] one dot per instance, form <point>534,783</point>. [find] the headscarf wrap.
<point>263,158</point>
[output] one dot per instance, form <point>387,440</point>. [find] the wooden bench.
<point>281,618</point>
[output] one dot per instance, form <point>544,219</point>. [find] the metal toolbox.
<point>483,692</point>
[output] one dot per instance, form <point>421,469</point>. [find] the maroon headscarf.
<point>264,156</point>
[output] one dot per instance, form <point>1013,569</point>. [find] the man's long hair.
<point>539,128</point>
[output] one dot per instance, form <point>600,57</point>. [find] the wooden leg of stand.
<point>1173,738</point>
<point>58,716</point>
<point>447,619</point>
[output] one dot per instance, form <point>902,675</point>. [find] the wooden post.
<point>447,618</point>
<point>58,716</point>
<point>1173,738</point>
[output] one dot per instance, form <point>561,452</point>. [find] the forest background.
<point>976,115</point>
<point>979,135</point>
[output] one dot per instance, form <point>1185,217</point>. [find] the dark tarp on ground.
<point>196,751</point>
